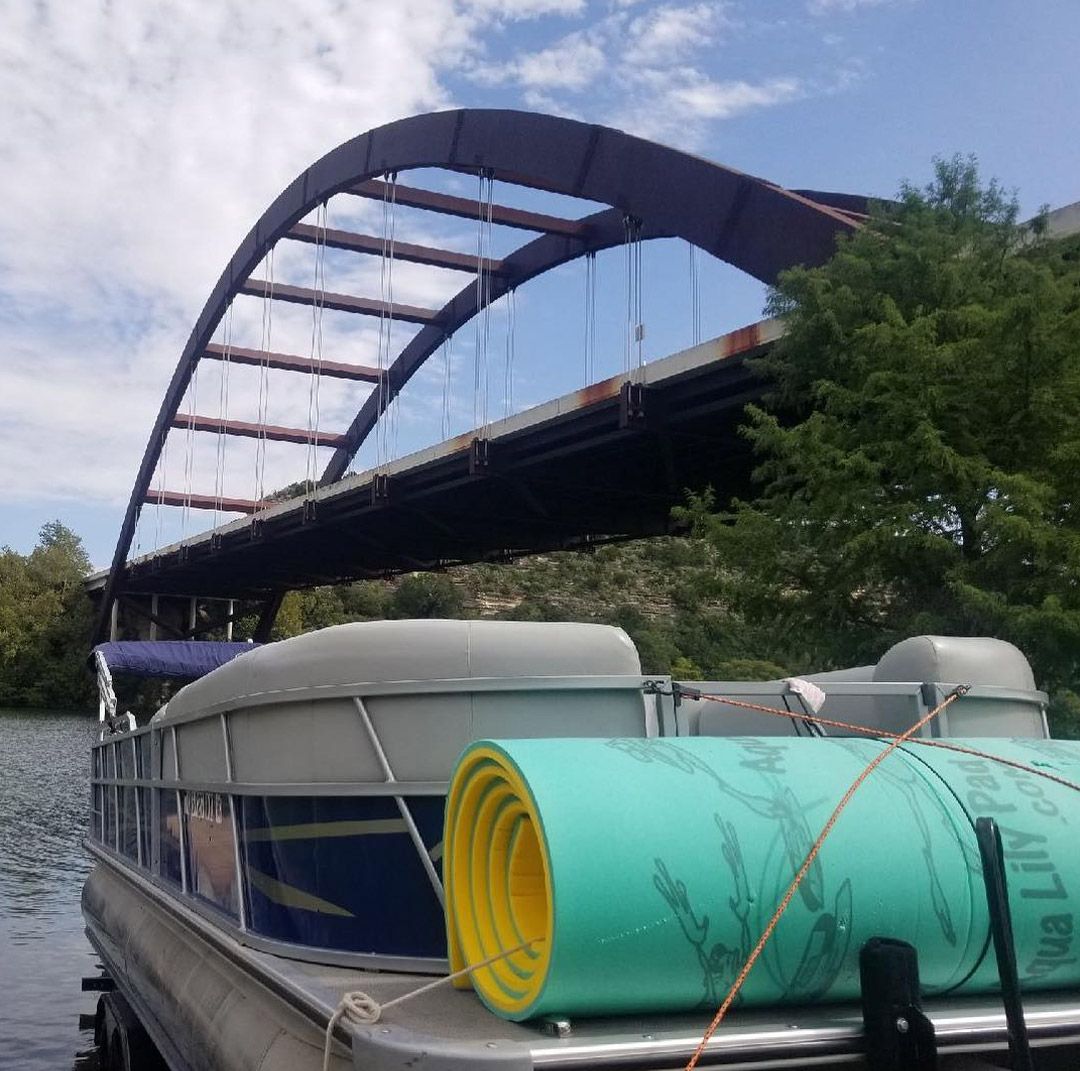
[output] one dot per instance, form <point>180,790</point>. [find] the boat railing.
<point>275,813</point>
<point>169,808</point>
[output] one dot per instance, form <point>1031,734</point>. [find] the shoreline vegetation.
<point>917,472</point>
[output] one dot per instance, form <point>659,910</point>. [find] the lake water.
<point>44,788</point>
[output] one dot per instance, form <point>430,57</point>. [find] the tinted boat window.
<point>127,758</point>
<point>129,826</point>
<point>108,833</point>
<point>211,859</point>
<point>169,832</point>
<point>95,816</point>
<point>144,756</point>
<point>144,824</point>
<point>342,873</point>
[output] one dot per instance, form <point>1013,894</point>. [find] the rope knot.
<point>360,1008</point>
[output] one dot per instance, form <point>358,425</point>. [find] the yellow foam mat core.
<point>499,880</point>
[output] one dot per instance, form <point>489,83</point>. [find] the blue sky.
<point>141,140</point>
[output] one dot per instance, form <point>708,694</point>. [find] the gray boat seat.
<point>910,679</point>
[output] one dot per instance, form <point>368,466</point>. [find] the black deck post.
<point>997,901</point>
<point>899,1037</point>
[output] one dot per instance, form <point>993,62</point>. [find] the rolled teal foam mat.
<point>644,871</point>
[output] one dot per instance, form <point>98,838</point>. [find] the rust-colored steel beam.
<point>301,295</point>
<point>292,363</point>
<point>414,254</point>
<point>448,205</point>
<point>154,497</point>
<point>853,205</point>
<point>255,431</point>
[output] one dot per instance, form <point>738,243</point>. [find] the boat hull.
<point>202,1009</point>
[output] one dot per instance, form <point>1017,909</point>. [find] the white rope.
<point>359,1009</point>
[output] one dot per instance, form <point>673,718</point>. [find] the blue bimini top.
<point>187,659</point>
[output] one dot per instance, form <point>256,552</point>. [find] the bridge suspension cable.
<point>189,456</point>
<point>447,387</point>
<point>264,380</point>
<point>386,319</point>
<point>223,412</point>
<point>163,462</point>
<point>590,317</point>
<point>138,536</point>
<point>695,295</point>
<point>315,377</point>
<point>485,209</point>
<point>634,356</point>
<point>511,346</point>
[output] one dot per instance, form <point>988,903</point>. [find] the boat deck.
<point>455,1024</point>
<point>452,1028</point>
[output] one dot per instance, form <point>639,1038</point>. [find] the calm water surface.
<point>44,788</point>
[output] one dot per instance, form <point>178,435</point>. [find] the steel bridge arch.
<point>752,224</point>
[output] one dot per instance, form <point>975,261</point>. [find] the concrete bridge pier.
<point>154,616</point>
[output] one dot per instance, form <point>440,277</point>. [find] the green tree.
<point>426,595</point>
<point>45,622</point>
<point>919,458</point>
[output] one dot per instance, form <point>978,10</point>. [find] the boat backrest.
<point>429,687</point>
<point>909,680</point>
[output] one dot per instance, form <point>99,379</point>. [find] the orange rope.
<point>865,730</point>
<point>807,863</point>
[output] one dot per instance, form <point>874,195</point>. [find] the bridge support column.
<point>267,616</point>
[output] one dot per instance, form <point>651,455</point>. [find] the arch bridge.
<point>606,461</point>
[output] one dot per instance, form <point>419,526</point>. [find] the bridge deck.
<point>606,462</point>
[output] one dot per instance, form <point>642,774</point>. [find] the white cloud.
<point>641,68</point>
<point>572,63</point>
<point>526,9</point>
<point>139,140</point>
<point>825,7</point>
<point>705,99</point>
<point>665,34</point>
